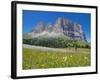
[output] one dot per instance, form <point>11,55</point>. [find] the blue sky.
<point>32,18</point>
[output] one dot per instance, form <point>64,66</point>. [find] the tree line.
<point>57,42</point>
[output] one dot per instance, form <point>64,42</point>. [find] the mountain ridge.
<point>62,27</point>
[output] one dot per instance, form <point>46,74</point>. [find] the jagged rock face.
<point>39,28</point>
<point>61,26</point>
<point>58,27</point>
<point>49,28</point>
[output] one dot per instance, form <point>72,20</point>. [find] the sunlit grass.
<point>35,59</point>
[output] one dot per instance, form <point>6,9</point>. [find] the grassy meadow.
<point>36,59</point>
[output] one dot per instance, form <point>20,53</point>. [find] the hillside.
<point>64,33</point>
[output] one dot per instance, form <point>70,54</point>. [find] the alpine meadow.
<point>55,40</point>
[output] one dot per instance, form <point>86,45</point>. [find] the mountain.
<point>62,27</point>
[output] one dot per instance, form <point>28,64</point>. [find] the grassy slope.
<point>33,59</point>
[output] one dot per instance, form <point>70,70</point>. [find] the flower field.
<point>36,59</point>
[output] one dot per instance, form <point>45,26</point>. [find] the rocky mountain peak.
<point>39,28</point>
<point>49,27</point>
<point>63,26</point>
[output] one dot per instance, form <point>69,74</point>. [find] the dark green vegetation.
<point>35,59</point>
<point>58,42</point>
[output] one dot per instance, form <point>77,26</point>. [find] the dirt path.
<point>43,48</point>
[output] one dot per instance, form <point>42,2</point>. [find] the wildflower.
<point>42,65</point>
<point>85,57</point>
<point>71,56</point>
<point>65,58</point>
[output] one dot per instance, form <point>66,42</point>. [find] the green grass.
<point>35,59</point>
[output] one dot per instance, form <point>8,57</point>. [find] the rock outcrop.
<point>62,26</point>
